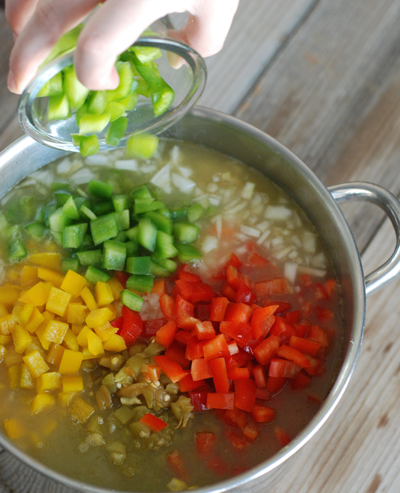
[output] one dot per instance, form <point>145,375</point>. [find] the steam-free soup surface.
<point>244,213</point>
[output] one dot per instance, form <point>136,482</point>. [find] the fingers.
<point>50,20</point>
<point>110,31</point>
<point>18,13</point>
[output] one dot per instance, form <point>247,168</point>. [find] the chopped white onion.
<point>97,160</point>
<point>183,184</point>
<point>263,237</point>
<point>277,212</point>
<point>290,271</point>
<point>319,260</point>
<point>186,172</point>
<point>64,166</point>
<point>127,164</point>
<point>248,190</point>
<point>311,271</point>
<point>237,209</point>
<point>282,253</point>
<point>215,178</point>
<point>309,242</point>
<point>218,224</point>
<point>250,231</point>
<point>212,188</point>
<point>264,226</point>
<point>241,237</point>
<point>201,198</point>
<point>148,168</point>
<point>278,240</point>
<point>83,176</point>
<point>214,200</point>
<point>175,154</point>
<point>163,177</point>
<point>209,243</point>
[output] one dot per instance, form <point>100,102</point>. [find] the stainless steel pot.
<point>245,143</point>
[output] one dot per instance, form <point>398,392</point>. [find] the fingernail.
<point>11,84</point>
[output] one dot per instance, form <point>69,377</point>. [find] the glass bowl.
<point>188,82</point>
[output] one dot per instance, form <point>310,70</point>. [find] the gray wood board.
<point>333,98</point>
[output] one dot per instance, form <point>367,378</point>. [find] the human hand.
<point>114,26</point>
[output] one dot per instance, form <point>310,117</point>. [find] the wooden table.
<point>323,78</point>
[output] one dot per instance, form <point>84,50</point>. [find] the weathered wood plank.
<point>332,97</point>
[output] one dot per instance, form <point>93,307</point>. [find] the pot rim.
<point>349,358</point>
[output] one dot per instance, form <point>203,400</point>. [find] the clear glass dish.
<point>188,82</point>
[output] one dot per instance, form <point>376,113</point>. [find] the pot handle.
<point>363,191</point>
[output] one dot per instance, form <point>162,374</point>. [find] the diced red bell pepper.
<point>301,329</point>
<point>262,414</point>
<point>236,441</point>
<point>118,323</point>
<point>216,348</point>
<point>263,394</point>
<point>199,400</point>
<point>282,436</point>
<point>194,291</point>
<point>240,331</point>
<point>306,309</point>
<point>167,305</point>
<point>153,373</point>
<point>205,442</point>
<point>282,329</point>
<point>218,309</point>
<point>220,375</point>
<point>317,334</point>
<point>229,292</point>
<point>220,401</point>
<point>171,368</point>
<point>185,314</point>
<point>300,382</point>
<point>244,293</point>
<point>275,384</point>
<point>293,354</point>
<point>271,287</point>
<point>320,293</point>
<point>183,336</point>
<point>175,460</point>
<point>238,373</point>
<point>204,330</point>
<point>255,260</point>
<point>151,327</point>
<point>132,326</point>
<point>218,465</point>
<point>233,347</point>
<point>187,384</point>
<point>238,312</point>
<point>251,432</point>
<point>194,348</point>
<point>176,352</point>
<point>242,357</point>
<point>283,306</point>
<point>259,377</point>
<point>266,350</point>
<point>236,417</point>
<point>314,399</point>
<point>262,320</point>
<point>323,313</point>
<point>166,334</point>
<point>329,286</point>
<point>283,368</point>
<point>232,276</point>
<point>186,275</point>
<point>202,312</point>
<point>305,280</point>
<point>200,369</point>
<point>245,394</point>
<point>304,345</point>
<point>154,423</point>
<point>234,260</point>
<point>158,287</point>
<point>122,278</point>
<point>292,317</point>
<point>316,367</point>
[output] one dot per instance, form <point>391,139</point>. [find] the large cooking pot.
<point>251,146</point>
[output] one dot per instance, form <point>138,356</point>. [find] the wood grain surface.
<point>322,77</point>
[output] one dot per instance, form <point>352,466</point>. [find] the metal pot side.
<point>247,144</point>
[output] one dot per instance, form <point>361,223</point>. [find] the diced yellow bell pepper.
<point>88,298</point>
<point>115,343</point>
<point>50,275</point>
<point>14,273</point>
<point>73,283</point>
<point>35,320</point>
<point>81,410</point>
<point>9,294</point>
<point>113,310</point>
<point>76,328</point>
<point>65,399</point>
<point>95,345</point>
<point>26,380</point>
<point>55,331</point>
<point>42,402</point>
<point>105,332</point>
<point>38,294</point>
<point>70,341</point>
<point>48,381</point>
<point>29,275</point>
<point>55,354</point>
<point>3,310</point>
<point>14,429</point>
<point>2,351</point>
<point>35,363</point>
<point>12,358</point>
<point>49,260</point>
<point>116,287</point>
<point>4,340</point>
<point>99,317</point>
<point>23,313</point>
<point>58,301</point>
<point>21,339</point>
<point>35,345</point>
<point>49,427</point>
<point>7,323</point>
<point>82,337</point>
<point>76,313</point>
<point>14,374</point>
<point>70,362</point>
<point>72,384</point>
<point>103,294</point>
